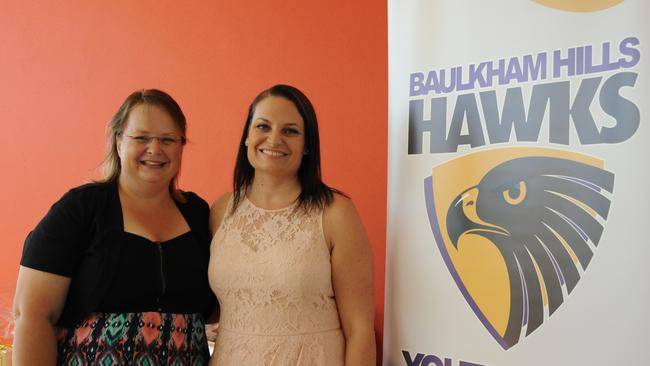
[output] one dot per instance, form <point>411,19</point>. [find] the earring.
<point>246,143</point>
<point>305,152</point>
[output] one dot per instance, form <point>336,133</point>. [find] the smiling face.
<point>154,161</point>
<point>276,137</point>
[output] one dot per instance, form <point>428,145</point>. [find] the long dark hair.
<point>314,193</point>
<point>111,165</point>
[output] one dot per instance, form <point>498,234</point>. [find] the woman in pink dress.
<point>289,261</point>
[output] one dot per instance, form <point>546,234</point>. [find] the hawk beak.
<point>462,217</point>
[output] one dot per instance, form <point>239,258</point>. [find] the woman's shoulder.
<point>194,199</point>
<point>221,203</point>
<point>92,188</point>
<point>219,210</point>
<point>342,224</point>
<point>340,204</point>
<point>85,194</point>
<point>195,209</point>
<point>339,212</point>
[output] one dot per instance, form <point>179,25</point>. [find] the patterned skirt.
<point>148,338</point>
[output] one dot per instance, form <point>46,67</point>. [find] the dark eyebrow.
<point>290,124</point>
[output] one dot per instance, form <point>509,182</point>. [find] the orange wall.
<point>65,66</point>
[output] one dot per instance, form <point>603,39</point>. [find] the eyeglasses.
<point>163,140</point>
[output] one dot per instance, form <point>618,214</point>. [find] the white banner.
<point>518,161</point>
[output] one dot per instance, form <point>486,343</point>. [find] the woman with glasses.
<point>290,262</point>
<point>116,272</point>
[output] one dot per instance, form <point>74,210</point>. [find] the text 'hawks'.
<point>480,118</point>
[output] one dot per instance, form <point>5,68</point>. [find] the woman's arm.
<point>352,278</point>
<point>38,303</point>
<point>218,211</point>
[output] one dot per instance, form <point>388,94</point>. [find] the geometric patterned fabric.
<point>140,339</point>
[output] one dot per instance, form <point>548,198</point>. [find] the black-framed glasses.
<point>163,140</point>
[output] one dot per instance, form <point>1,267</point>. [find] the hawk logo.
<point>517,228</point>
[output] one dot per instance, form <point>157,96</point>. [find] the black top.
<point>82,237</point>
<point>157,276</point>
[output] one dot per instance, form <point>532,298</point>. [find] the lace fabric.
<point>271,271</point>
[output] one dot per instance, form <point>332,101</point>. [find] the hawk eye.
<point>514,195</point>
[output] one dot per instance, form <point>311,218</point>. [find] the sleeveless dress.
<point>271,272</point>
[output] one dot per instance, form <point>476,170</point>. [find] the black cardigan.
<point>81,237</point>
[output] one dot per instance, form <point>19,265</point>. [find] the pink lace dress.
<point>271,272</point>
